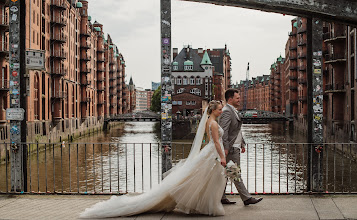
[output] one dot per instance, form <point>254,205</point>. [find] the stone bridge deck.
<point>272,207</point>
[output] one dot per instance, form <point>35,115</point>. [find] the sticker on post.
<point>15,114</point>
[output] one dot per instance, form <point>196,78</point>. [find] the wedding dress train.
<point>192,186</point>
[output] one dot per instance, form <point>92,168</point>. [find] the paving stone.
<point>326,208</point>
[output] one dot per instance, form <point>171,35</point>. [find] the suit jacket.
<point>231,123</point>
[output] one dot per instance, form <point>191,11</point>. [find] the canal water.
<point>131,162</point>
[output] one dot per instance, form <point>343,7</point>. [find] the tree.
<point>156,100</point>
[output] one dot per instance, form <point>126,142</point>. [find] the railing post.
<point>166,88</point>
<point>315,103</point>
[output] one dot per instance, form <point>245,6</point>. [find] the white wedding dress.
<point>194,185</point>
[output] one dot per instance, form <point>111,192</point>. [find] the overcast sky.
<point>134,25</point>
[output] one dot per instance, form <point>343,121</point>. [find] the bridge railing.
<point>117,168</point>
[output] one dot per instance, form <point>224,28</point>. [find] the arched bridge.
<point>261,117</point>
<point>137,116</point>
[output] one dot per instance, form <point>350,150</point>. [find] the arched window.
<point>192,80</point>
<point>179,80</point>
<point>198,80</point>
<point>185,81</point>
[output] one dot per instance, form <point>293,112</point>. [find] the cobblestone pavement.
<point>272,207</point>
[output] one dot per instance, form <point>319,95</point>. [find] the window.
<point>198,81</point>
<point>192,81</point>
<point>198,92</point>
<point>188,67</point>
<point>185,81</point>
<point>188,102</point>
<point>179,91</point>
<point>193,102</point>
<point>193,91</point>
<point>179,81</point>
<point>175,68</point>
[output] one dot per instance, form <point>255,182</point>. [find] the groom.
<point>233,142</point>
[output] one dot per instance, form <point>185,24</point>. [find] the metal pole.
<point>166,88</point>
<point>16,113</point>
<point>315,101</point>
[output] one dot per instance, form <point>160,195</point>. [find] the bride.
<point>194,185</point>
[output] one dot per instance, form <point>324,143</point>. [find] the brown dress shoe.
<point>252,200</point>
<point>226,201</point>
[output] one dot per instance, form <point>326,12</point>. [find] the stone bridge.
<point>261,117</point>
<point>136,117</point>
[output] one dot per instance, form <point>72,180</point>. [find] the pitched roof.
<point>206,60</point>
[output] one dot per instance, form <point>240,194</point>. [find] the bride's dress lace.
<point>193,186</point>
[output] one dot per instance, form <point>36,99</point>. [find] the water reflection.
<point>136,165</point>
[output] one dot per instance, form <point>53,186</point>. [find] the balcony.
<point>335,58</point>
<point>59,72</point>
<point>86,70</point>
<point>58,38</point>
<point>293,77</point>
<point>4,24</point>
<point>294,88</point>
<point>85,34</point>
<point>302,56</point>
<point>100,69</point>
<point>100,59</point>
<point>302,81</point>
<point>59,95</point>
<point>302,68</point>
<point>4,48</point>
<point>86,58</point>
<point>100,50</point>
<point>85,45</point>
<point>292,34</point>
<point>85,82</point>
<point>301,30</point>
<point>86,100</point>
<point>4,2</point>
<point>302,98</point>
<point>100,79</point>
<point>58,4</point>
<point>335,88</point>
<point>4,85</point>
<point>301,43</point>
<point>59,55</point>
<point>59,20</point>
<point>292,57</point>
<point>334,36</point>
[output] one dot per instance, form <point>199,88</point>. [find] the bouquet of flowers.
<point>233,171</point>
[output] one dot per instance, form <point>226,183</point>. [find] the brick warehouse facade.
<point>198,76</point>
<point>339,80</point>
<point>84,77</point>
<point>258,93</point>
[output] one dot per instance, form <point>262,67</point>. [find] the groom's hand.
<point>243,149</point>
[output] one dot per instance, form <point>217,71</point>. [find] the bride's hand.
<point>223,162</point>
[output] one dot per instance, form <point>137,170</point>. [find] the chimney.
<point>174,53</point>
<point>200,52</point>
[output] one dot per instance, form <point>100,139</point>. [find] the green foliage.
<point>156,100</point>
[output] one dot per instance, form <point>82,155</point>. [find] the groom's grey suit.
<point>231,123</point>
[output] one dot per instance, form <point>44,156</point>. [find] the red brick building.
<point>198,76</point>
<point>258,93</point>
<point>84,74</point>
